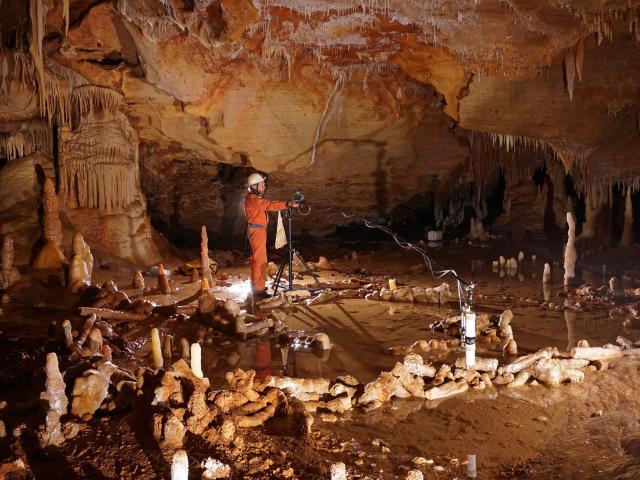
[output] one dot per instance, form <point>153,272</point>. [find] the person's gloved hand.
<point>293,204</point>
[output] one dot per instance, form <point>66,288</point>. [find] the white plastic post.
<point>471,466</point>
<point>470,337</point>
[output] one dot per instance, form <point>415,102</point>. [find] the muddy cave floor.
<point>587,430</point>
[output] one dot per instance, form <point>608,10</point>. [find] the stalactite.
<point>340,78</point>
<point>88,97</point>
<point>156,27</point>
<point>16,70</point>
<point>580,57</point>
<point>570,72</point>
<point>25,138</point>
<point>627,232</point>
<point>65,15</point>
<point>98,154</point>
<point>37,13</point>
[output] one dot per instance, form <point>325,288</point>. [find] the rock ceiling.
<point>373,100</point>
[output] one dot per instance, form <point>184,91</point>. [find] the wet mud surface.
<point>587,430</point>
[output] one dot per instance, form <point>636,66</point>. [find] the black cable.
<point>429,261</point>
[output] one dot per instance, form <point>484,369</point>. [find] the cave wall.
<point>368,107</point>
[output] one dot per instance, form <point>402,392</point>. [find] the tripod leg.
<point>278,277</point>
<point>315,277</point>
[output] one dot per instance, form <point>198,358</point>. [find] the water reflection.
<point>471,466</point>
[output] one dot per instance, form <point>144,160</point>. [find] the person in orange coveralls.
<point>255,209</point>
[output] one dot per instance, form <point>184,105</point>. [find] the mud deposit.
<point>583,430</point>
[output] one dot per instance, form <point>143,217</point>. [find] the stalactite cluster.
<point>25,138</point>
<point>98,154</point>
<point>16,69</point>
<point>38,12</point>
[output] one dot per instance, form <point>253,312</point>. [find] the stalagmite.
<point>196,360</point>
<point>627,232</point>
<point>163,280</point>
<point>184,348</point>
<point>68,337</point>
<point>80,247</point>
<point>180,466</point>
<point>156,350</point>
<point>204,256</point>
<point>138,281</point>
<point>94,341</point>
<point>570,254</point>
<point>546,274</point>
<point>78,276</point>
<point>8,273</point>
<point>338,471</point>
<point>167,346</point>
<point>56,403</point>
<point>570,72</point>
<point>195,276</point>
<point>51,255</point>
<point>511,347</point>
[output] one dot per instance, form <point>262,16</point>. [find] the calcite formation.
<point>158,108</point>
<point>56,403</point>
<point>8,273</point>
<point>51,255</point>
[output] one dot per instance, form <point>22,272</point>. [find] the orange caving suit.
<point>255,209</point>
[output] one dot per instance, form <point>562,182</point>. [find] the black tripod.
<point>288,258</point>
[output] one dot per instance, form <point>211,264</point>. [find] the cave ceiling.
<point>371,98</point>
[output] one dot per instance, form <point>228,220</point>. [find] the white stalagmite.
<point>196,360</point>
<point>627,232</point>
<point>180,466</point>
<point>570,254</point>
<point>156,349</point>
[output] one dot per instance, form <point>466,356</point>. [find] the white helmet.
<point>254,179</point>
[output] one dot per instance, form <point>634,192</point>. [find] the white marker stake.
<point>470,337</point>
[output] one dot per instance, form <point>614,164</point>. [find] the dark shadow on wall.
<point>380,175</point>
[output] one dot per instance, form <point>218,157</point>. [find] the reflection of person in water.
<point>254,355</point>
<point>263,361</point>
